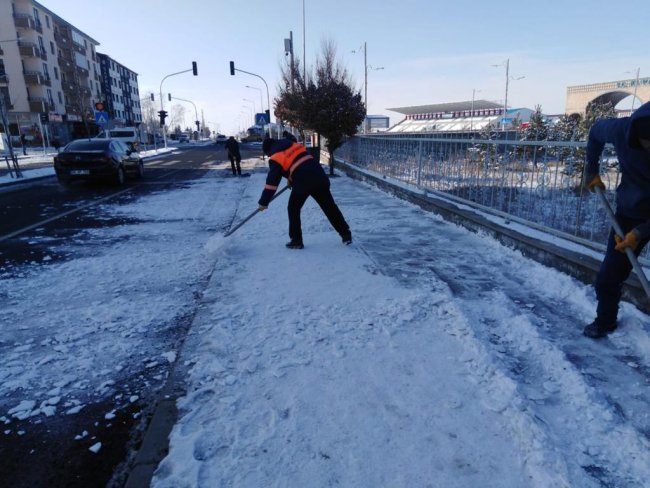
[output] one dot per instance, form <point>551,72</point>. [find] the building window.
<point>47,21</point>
<point>60,97</point>
<point>56,73</point>
<point>52,47</point>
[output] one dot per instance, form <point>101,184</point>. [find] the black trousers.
<point>614,270</point>
<point>237,160</point>
<point>325,200</point>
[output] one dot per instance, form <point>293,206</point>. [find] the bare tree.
<point>325,102</point>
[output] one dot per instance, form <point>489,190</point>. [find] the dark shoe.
<point>347,238</point>
<point>294,245</point>
<point>598,331</point>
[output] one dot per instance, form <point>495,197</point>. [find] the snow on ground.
<point>358,366</point>
<point>421,355</point>
<point>104,313</point>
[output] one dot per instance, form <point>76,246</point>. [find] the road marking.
<point>59,216</point>
<point>77,209</point>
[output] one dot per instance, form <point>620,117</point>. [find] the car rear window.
<point>122,133</point>
<point>87,145</point>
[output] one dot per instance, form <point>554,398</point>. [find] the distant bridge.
<point>578,97</point>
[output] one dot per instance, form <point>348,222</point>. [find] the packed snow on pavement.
<point>421,355</point>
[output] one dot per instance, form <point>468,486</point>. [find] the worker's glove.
<point>630,240</point>
<point>593,182</point>
<point>261,208</point>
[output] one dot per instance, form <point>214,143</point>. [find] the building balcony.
<point>37,78</point>
<point>79,49</point>
<point>62,39</point>
<point>29,49</point>
<point>38,104</point>
<point>26,21</point>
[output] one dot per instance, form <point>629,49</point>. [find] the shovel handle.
<point>630,254</point>
<point>252,214</point>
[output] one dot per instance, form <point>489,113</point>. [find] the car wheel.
<point>119,176</point>
<point>140,173</point>
<point>63,181</point>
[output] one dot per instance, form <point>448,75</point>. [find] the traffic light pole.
<point>196,114</point>
<point>162,108</point>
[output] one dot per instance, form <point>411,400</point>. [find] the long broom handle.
<point>630,254</point>
<point>231,231</point>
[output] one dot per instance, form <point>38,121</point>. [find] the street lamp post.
<point>505,100</point>
<point>259,90</point>
<point>471,115</point>
<point>366,67</point>
<point>162,108</point>
<point>249,100</point>
<point>636,84</point>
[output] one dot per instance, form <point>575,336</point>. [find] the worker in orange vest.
<point>307,179</point>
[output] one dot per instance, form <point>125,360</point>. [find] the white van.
<point>127,135</point>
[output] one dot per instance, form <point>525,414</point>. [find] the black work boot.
<point>347,238</point>
<point>596,330</point>
<point>294,244</point>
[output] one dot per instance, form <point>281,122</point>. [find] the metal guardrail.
<point>535,182</point>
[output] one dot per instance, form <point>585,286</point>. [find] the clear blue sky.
<point>432,51</point>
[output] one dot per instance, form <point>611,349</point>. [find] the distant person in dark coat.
<point>288,135</point>
<point>23,141</point>
<point>307,179</point>
<point>232,146</point>
<point>631,139</point>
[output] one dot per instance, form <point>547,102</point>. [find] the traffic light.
<point>44,118</point>
<point>169,97</point>
<point>195,70</point>
<point>232,68</point>
<point>152,97</point>
<point>162,114</point>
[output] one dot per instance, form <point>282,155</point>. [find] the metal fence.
<point>536,182</point>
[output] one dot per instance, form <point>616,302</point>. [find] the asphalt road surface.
<point>45,453</point>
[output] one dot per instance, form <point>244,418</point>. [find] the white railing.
<point>536,182</point>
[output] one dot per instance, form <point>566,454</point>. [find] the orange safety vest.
<point>291,158</point>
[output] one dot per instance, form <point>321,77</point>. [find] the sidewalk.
<point>372,365</point>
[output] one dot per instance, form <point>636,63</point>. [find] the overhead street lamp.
<point>366,67</point>
<point>252,113</point>
<point>636,84</point>
<point>259,90</point>
<point>162,112</point>
<point>249,100</point>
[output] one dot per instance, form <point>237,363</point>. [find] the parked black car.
<point>93,159</point>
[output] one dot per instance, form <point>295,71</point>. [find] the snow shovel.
<point>621,234</point>
<point>231,231</point>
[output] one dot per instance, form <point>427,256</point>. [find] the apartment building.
<point>121,93</point>
<point>50,77</point>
